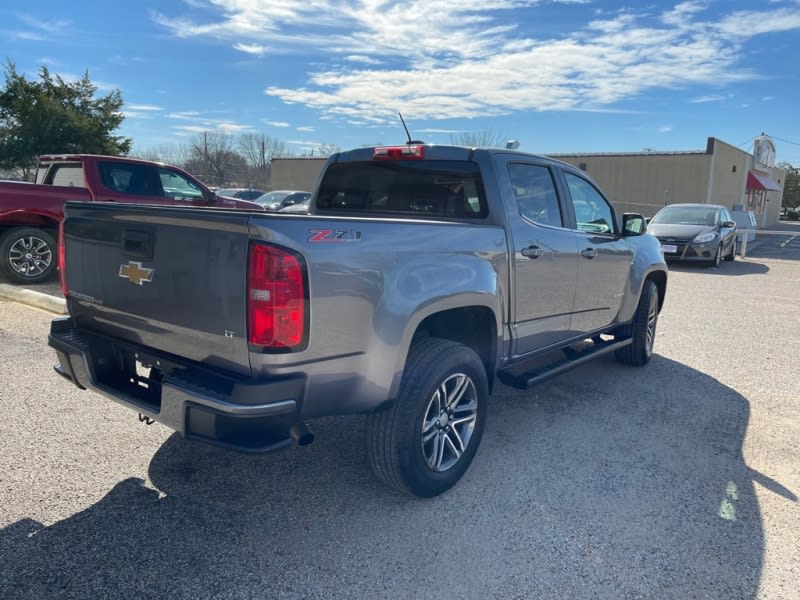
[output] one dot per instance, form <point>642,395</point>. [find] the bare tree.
<point>258,149</point>
<point>171,154</point>
<point>327,149</point>
<point>214,160</point>
<point>484,138</point>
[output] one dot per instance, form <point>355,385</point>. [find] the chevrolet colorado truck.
<point>30,212</point>
<point>422,276</point>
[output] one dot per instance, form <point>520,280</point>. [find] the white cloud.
<point>360,58</point>
<point>703,99</point>
<point>665,129</point>
<point>767,98</point>
<point>440,59</point>
<point>145,107</point>
<point>186,114</point>
<point>275,123</point>
<point>222,126</point>
<point>231,128</point>
<point>306,129</point>
<point>255,49</point>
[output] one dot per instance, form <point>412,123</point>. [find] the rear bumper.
<point>202,404</point>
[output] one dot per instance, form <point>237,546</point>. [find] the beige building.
<point>295,173</point>
<point>645,182</point>
<point>720,174</point>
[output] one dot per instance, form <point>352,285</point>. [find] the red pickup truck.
<point>31,212</point>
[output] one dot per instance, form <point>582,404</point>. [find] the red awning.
<point>759,181</point>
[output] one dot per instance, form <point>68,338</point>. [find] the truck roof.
<point>82,157</point>
<point>443,152</point>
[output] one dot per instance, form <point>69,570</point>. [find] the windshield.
<point>686,215</point>
<point>272,197</point>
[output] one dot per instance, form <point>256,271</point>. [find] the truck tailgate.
<point>166,278</point>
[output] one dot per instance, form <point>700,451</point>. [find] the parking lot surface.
<point>676,480</point>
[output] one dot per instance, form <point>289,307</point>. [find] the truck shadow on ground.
<point>609,482</point>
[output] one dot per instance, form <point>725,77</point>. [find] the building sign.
<point>764,151</point>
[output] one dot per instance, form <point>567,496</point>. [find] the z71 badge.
<point>334,235</point>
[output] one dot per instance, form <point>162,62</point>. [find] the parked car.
<point>240,193</point>
<point>695,232</point>
<point>299,206</point>
<point>279,199</point>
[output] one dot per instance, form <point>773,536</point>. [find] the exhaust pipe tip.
<point>301,434</point>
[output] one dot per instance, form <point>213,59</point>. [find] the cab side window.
<point>535,193</point>
<point>592,212</point>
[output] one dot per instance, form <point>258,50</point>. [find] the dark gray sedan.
<point>695,232</point>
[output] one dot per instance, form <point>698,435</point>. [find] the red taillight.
<point>276,297</point>
<point>62,259</point>
<point>398,153</point>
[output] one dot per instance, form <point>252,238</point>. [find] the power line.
<point>786,141</point>
<point>747,142</point>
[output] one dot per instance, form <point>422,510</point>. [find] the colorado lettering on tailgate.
<point>333,235</point>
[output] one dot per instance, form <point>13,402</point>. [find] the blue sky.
<point>557,75</point>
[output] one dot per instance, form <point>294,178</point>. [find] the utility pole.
<point>205,158</point>
<point>263,165</point>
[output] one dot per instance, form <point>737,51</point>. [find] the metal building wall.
<point>296,173</point>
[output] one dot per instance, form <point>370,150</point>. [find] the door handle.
<point>589,253</point>
<point>532,252</point>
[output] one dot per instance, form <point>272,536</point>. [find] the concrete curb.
<point>31,298</point>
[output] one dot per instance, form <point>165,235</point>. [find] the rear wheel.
<point>424,443</point>
<point>642,329</point>
<point>28,255</point>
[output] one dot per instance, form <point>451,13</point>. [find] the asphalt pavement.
<point>676,480</point>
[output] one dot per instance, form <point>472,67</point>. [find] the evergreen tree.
<point>52,116</point>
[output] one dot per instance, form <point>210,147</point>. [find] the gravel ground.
<point>676,480</point>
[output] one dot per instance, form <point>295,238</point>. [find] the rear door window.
<point>421,189</point>
<point>129,178</point>
<point>535,193</point>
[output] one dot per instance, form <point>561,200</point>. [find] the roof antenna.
<point>410,141</point>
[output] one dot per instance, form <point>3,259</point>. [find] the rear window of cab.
<point>411,189</point>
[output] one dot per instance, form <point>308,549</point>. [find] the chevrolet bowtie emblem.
<point>135,273</point>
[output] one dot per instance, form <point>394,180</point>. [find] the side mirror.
<point>633,224</point>
<point>728,224</point>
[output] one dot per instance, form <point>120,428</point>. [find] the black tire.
<point>400,453</point>
<point>714,262</point>
<point>28,255</point>
<point>732,256</point>
<point>642,329</point>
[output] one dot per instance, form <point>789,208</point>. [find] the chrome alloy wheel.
<point>30,256</point>
<point>449,422</point>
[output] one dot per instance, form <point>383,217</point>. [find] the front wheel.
<point>424,443</point>
<point>642,329</point>
<point>28,255</point>
<point>714,262</point>
<point>732,256</point>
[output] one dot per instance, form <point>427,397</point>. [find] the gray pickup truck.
<point>422,275</point>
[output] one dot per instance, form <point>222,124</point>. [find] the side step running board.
<point>572,359</point>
